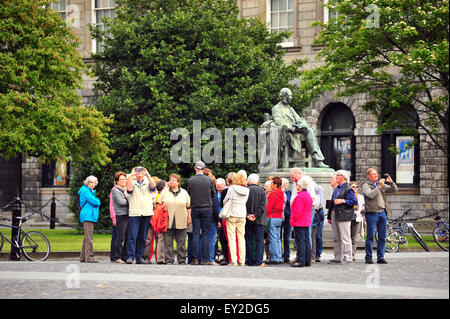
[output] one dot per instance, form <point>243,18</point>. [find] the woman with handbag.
<point>237,194</point>
<point>178,204</point>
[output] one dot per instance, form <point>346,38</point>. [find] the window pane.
<point>343,151</point>
<point>61,172</point>
<point>275,23</point>
<point>283,5</point>
<point>55,173</point>
<point>405,160</point>
<point>291,19</point>
<point>99,16</point>
<point>283,19</point>
<point>291,5</point>
<point>274,5</point>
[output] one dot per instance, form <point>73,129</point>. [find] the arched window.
<point>338,140</point>
<point>403,165</point>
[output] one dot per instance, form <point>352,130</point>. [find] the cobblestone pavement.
<point>408,275</point>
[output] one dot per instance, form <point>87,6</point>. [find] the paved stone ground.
<point>409,275</point>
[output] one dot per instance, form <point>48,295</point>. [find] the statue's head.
<point>286,95</point>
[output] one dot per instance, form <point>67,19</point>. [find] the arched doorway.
<point>337,139</point>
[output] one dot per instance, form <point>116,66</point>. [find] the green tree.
<point>396,52</point>
<point>166,63</point>
<point>40,71</point>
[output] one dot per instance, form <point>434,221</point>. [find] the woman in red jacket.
<point>275,207</point>
<point>301,210</point>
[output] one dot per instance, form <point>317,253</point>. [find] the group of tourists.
<point>259,220</point>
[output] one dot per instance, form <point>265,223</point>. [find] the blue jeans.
<point>137,232</point>
<point>275,239</point>
<point>376,221</point>
<point>303,245</point>
<point>212,241</point>
<point>201,221</point>
<point>189,248</point>
<point>319,241</point>
<point>287,236</point>
<point>254,234</point>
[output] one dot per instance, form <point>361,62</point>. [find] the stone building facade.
<point>350,142</point>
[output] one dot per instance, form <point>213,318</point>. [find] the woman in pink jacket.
<point>301,210</point>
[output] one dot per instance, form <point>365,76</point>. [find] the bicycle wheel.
<point>419,239</point>
<point>391,244</point>
<point>440,236</point>
<point>35,246</point>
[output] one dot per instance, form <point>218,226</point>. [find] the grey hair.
<point>303,182</point>
<point>296,170</point>
<point>221,181</point>
<point>344,173</point>
<point>309,180</point>
<point>285,181</point>
<point>267,183</point>
<point>253,179</point>
<point>90,179</point>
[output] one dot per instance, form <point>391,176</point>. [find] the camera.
<point>139,169</point>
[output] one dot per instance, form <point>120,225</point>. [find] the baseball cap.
<point>200,165</point>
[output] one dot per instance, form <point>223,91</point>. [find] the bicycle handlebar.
<point>401,217</point>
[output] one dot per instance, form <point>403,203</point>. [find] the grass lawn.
<point>65,239</point>
<point>71,240</point>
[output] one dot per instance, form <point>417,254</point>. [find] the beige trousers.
<point>87,249</point>
<point>342,239</point>
<point>236,226</point>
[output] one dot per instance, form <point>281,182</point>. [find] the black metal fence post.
<point>53,212</point>
<point>16,212</point>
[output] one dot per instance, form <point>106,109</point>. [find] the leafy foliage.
<point>40,71</point>
<point>396,52</point>
<point>167,63</point>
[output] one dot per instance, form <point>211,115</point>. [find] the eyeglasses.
<point>354,186</point>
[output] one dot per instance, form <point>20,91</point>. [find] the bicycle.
<point>440,233</point>
<point>394,239</point>
<point>397,233</point>
<point>33,244</point>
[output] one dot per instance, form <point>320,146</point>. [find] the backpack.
<point>160,219</point>
<point>77,207</point>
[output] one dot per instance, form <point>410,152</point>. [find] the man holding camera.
<point>140,212</point>
<point>374,192</point>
